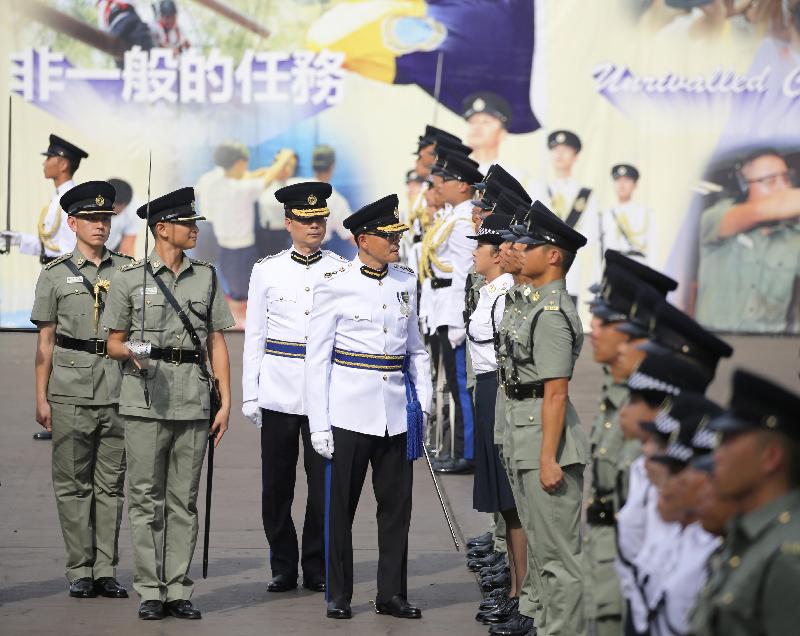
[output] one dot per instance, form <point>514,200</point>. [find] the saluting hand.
<point>550,475</point>
<point>219,426</point>
<point>43,415</point>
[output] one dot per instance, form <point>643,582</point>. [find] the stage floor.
<point>234,600</point>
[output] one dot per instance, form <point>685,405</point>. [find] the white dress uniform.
<point>279,303</point>
<point>356,313</point>
<point>631,229</point>
<point>489,310</point>
<point>688,576</point>
<point>55,222</point>
<point>451,259</point>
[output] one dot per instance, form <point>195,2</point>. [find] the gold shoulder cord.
<point>425,258</point>
<point>637,244</point>
<point>445,267</point>
<point>44,235</point>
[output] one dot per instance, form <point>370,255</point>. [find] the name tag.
<point>74,279</point>
<point>150,291</point>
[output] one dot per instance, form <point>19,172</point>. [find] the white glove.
<point>456,335</point>
<point>252,411</point>
<point>16,237</point>
<point>322,442</point>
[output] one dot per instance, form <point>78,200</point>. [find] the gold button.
<point>72,362</point>
<point>105,328</point>
<point>602,451</point>
<point>602,407</point>
<point>306,312</point>
<point>530,418</point>
<point>384,306</point>
<point>385,330</point>
<point>607,425</point>
<point>380,282</point>
<point>148,302</point>
<point>356,316</point>
<point>308,289</point>
<point>727,598</point>
<point>784,517</point>
<point>384,377</point>
<point>772,422</point>
<point>281,298</point>
<point>734,561</point>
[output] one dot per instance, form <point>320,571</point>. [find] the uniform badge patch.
<point>405,307</point>
<point>74,279</point>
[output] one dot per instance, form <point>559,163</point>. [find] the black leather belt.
<point>90,346</point>
<point>176,355</point>
<point>600,512</point>
<point>525,391</point>
<point>438,283</point>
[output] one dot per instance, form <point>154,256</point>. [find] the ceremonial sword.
<point>446,512</point>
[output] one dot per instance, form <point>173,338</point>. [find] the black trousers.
<point>462,422</point>
<point>392,481</point>
<point>280,446</point>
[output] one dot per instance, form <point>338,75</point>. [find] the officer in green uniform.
<point>612,453</point>
<point>549,447</point>
<point>165,398</point>
<point>753,587</point>
<point>76,393</point>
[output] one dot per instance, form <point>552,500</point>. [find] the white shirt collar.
<point>67,185</point>
<point>498,286</point>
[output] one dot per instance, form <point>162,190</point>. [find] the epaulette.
<point>195,261</point>
<point>124,268</point>
<point>272,255</point>
<point>121,255</point>
<point>404,268</point>
<point>58,260</point>
<point>336,272</point>
<point>335,255</point>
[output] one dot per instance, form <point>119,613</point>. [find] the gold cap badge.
<point>561,138</point>
<point>311,199</point>
<point>479,104</point>
<point>99,200</point>
<point>622,171</point>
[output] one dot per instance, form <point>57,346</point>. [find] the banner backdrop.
<point>694,104</point>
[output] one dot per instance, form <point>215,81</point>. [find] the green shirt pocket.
<point>72,374</point>
<point>153,309</point>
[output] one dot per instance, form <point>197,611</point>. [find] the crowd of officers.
<point>693,515</point>
<point>691,519</point>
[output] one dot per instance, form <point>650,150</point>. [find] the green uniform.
<point>167,417</point>
<point>754,583</point>
<point>517,304</point>
<point>747,282</point>
<point>544,345</point>
<point>88,435</point>
<point>600,547</point>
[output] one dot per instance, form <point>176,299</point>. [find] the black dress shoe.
<point>315,585</point>
<point>338,611</point>
<point>483,539</point>
<point>459,466</point>
<point>182,609</point>
<point>151,610</point>
<point>493,582</point>
<point>491,603</point>
<point>493,558</point>
<point>519,625</point>
<point>282,583</point>
<point>500,592</point>
<point>501,614</point>
<point>109,587</point>
<point>444,466</point>
<point>82,588</point>
<point>398,607</point>
<point>492,570</point>
<point>479,552</point>
<point>42,435</point>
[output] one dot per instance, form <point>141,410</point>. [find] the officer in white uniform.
<point>628,226</point>
<point>369,371</point>
<point>450,252</point>
<point>54,238</point>
<point>280,300</point>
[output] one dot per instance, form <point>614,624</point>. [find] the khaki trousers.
<point>165,459</point>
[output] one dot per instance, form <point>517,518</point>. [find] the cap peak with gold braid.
<point>379,217</point>
<point>305,200</point>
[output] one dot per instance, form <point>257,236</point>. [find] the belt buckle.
<point>175,356</point>
<point>100,347</point>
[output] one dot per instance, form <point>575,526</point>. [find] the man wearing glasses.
<point>749,271</point>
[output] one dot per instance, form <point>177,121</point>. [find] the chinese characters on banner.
<point>158,75</point>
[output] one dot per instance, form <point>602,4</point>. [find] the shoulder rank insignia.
<point>536,296</point>
<point>194,261</point>
<point>121,255</point>
<point>403,268</point>
<point>131,265</point>
<point>336,272</point>
<point>335,255</point>
<point>58,260</point>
